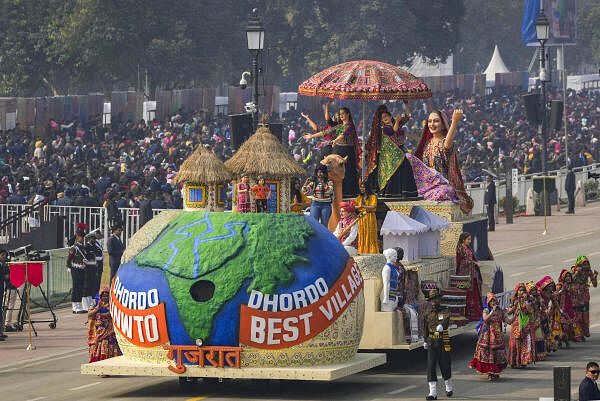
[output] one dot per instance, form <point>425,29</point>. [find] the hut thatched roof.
<point>202,167</point>
<point>263,154</point>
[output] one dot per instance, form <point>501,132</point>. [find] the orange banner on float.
<point>277,330</point>
<point>142,327</point>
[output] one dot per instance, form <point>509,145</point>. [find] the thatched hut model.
<point>264,155</point>
<point>204,178</point>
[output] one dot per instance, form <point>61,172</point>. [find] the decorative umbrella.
<point>365,80</point>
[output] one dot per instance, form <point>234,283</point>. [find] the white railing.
<point>525,181</point>
<point>94,217</point>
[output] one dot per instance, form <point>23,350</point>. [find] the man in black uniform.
<point>490,201</point>
<point>437,344</point>
<point>570,188</point>
<point>115,249</point>
<point>76,264</point>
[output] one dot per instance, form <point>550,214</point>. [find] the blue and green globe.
<point>205,265</point>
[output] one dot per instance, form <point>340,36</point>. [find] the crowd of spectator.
<point>495,127</point>
<point>132,164</point>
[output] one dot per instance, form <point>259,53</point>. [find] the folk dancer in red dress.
<point>583,277</point>
<point>243,195</point>
<point>539,314</point>
<point>261,193</point>
<point>101,334</point>
<point>566,294</point>
<point>521,347</point>
<point>467,265</point>
<point>490,352</point>
<point>347,228</point>
<point>546,288</point>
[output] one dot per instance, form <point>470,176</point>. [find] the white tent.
<point>495,66</point>
<point>429,243</point>
<point>400,230</point>
<point>421,68</point>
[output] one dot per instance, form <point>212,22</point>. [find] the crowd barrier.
<point>96,217</point>
<point>525,182</point>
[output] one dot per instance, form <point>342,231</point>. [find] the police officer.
<point>437,344</point>
<point>91,271</point>
<point>115,249</point>
<point>76,263</point>
<point>95,247</point>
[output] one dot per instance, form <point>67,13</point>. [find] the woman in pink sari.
<point>467,265</point>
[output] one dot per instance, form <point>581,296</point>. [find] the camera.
<point>244,81</point>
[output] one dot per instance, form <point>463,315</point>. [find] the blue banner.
<point>562,17</point>
<point>530,14</point>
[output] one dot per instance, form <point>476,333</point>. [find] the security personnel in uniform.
<point>437,344</point>
<point>76,265</point>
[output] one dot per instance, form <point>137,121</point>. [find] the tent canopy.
<point>431,220</point>
<point>495,66</point>
<point>398,224</point>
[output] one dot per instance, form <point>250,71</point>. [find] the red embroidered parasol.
<point>365,80</point>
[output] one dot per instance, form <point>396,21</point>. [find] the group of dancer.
<point>431,172</point>
<point>544,317</point>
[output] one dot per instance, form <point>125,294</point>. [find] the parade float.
<point>433,267</point>
<point>236,295</point>
<point>430,254</point>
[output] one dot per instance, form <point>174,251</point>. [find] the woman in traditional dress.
<point>467,265</point>
<point>547,287</point>
<point>388,169</point>
<point>345,144</point>
<point>101,334</point>
<point>243,195</point>
<point>436,150</point>
<point>299,201</point>
<point>320,190</point>
<point>490,353</point>
<point>521,347</point>
<point>366,202</point>
<point>536,321</point>
<point>565,301</point>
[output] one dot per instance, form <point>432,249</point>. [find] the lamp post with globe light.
<point>542,32</point>
<point>255,33</point>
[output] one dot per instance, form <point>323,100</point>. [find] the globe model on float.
<point>281,286</point>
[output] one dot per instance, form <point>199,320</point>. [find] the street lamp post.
<point>542,31</point>
<point>255,33</point>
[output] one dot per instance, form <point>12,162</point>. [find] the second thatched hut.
<point>204,178</point>
<point>264,155</point>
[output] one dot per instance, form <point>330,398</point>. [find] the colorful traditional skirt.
<point>104,349</point>
<point>521,350</point>
<point>431,185</point>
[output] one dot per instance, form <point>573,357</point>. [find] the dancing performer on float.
<point>436,150</point>
<point>345,144</point>
<point>388,170</point>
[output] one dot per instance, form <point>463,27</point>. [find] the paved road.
<point>401,379</point>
